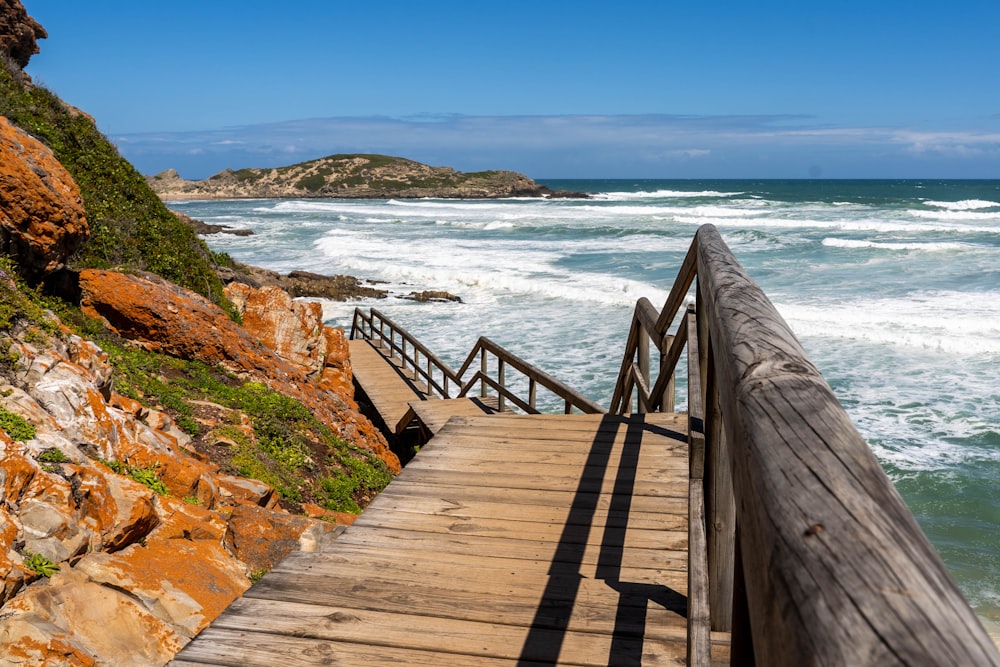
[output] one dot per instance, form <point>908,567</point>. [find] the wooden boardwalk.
<point>400,399</point>
<point>387,386</point>
<point>509,539</point>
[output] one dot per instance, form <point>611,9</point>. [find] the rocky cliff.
<point>156,457</point>
<point>19,33</point>
<point>351,176</point>
<point>144,486</point>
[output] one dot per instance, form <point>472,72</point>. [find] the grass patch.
<point>130,227</point>
<point>148,476</point>
<point>312,182</point>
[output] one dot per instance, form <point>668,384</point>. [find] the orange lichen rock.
<point>42,220</point>
<point>167,318</point>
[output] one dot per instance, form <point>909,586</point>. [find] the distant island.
<point>357,176</point>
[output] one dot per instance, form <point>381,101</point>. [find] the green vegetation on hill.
<point>131,229</point>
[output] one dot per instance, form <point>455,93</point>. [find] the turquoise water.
<point>893,287</point>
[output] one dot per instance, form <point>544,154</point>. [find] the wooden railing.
<point>799,544</point>
<point>440,379</point>
<point>401,345</point>
<point>485,348</point>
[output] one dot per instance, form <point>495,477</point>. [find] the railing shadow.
<point>555,609</point>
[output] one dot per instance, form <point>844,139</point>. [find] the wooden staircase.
<point>755,529</point>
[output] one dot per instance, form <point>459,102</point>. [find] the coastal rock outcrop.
<point>163,317</point>
<point>99,566</point>
<point>19,33</point>
<point>304,283</point>
<point>295,331</point>
<point>42,220</point>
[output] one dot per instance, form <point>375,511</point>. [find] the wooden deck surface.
<point>434,414</point>
<point>508,540</point>
<point>387,386</point>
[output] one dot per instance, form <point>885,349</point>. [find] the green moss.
<point>130,227</point>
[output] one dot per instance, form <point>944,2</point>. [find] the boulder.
<point>72,620</point>
<point>42,220</point>
<point>292,329</point>
<point>260,538</point>
<point>19,33</point>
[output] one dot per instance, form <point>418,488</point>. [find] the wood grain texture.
<point>565,545</point>
<point>837,570</point>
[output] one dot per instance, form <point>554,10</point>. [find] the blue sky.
<point>629,89</point>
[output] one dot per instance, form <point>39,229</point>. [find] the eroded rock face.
<point>19,33</point>
<point>42,220</point>
<point>167,318</point>
<point>138,573</point>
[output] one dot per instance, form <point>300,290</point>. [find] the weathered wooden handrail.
<point>408,349</point>
<point>634,375</point>
<point>383,331</point>
<point>805,549</point>
<point>484,347</point>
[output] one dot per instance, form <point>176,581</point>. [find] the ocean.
<point>893,288</point>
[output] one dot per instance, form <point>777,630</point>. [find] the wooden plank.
<point>446,635</point>
<point>393,538</point>
<point>651,422</point>
<point>529,513</point>
<point>649,465</point>
<point>670,570</point>
<point>389,391</point>
<point>458,493</point>
<point>369,563</point>
<point>519,530</point>
<point>595,605</point>
<point>238,649</point>
<point>836,569</point>
<point>435,414</point>
<point>525,479</point>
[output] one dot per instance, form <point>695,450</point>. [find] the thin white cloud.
<point>583,145</point>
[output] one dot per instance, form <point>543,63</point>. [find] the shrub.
<point>130,227</point>
<point>15,426</point>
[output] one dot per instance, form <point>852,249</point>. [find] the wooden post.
<point>642,358</point>
<point>501,380</point>
<point>720,506</point>
<point>836,569</point>
<point>699,621</point>
<point>483,367</point>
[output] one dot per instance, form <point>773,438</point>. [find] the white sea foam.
<point>958,215</point>
<point>662,194</point>
<point>885,245</point>
<point>947,322</point>
<point>964,205</point>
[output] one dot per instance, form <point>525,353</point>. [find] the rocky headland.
<point>166,435</point>
<point>352,176</point>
